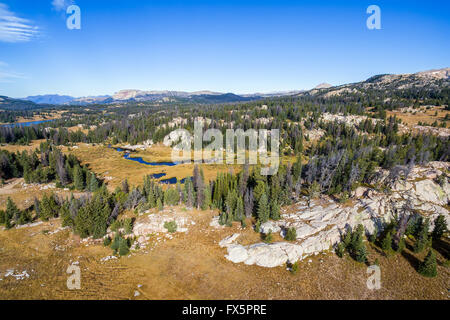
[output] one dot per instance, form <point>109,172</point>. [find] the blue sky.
<point>228,46</point>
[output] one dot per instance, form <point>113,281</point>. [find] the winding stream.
<point>127,156</point>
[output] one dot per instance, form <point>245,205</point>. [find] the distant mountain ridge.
<point>141,96</point>
<point>323,86</point>
<point>425,80</point>
<point>50,99</point>
<point>430,80</point>
<point>7,103</point>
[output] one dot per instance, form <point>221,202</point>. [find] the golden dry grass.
<point>23,197</point>
<point>193,266</point>
<point>43,116</point>
<point>426,116</point>
<point>14,148</point>
<point>111,165</point>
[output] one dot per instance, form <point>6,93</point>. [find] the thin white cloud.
<point>59,5</point>
<point>14,28</point>
<point>7,76</point>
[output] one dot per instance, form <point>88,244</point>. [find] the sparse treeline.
<point>89,215</point>
<point>412,227</point>
<point>47,164</point>
<point>344,158</point>
<point>10,116</point>
<point>137,122</point>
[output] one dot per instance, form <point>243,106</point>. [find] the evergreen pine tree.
<point>386,244</point>
<point>239,212</point>
<point>36,207</point>
<point>422,238</point>
<point>358,249</point>
<point>222,218</point>
<point>347,239</point>
<point>151,199</point>
<point>340,249</point>
<point>48,207</point>
<point>159,204</point>
<point>361,252</point>
<point>263,210</point>
<point>199,186</point>
<point>428,267</point>
<point>78,179</point>
<point>93,183</point>
<point>123,247</point>
<point>230,205</point>
<point>291,234</point>
<point>100,222</point>
<point>125,187</point>
<point>12,212</point>
<point>8,224</point>
<point>274,210</point>
<point>207,199</point>
<point>440,227</point>
<point>116,242</point>
<point>297,168</point>
<point>190,193</point>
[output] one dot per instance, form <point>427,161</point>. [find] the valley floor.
<point>191,265</point>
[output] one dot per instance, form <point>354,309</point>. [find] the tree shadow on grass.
<point>377,249</point>
<point>443,247</point>
<point>413,261</point>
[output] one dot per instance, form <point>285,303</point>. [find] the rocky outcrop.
<point>320,226</point>
<point>145,145</point>
<point>154,223</point>
<point>269,226</point>
<point>177,136</point>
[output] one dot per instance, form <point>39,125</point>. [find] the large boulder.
<point>429,191</point>
<point>228,240</point>
<point>269,226</point>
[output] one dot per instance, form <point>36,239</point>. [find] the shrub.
<point>107,241</point>
<point>340,249</point>
<point>268,238</point>
<point>258,226</point>
<point>171,226</point>
<point>128,225</point>
<point>116,243</point>
<point>291,234</point>
<point>116,225</point>
<point>294,268</point>
<point>159,204</point>
<point>124,248</point>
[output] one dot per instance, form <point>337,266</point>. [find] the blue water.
<point>158,175</point>
<point>128,156</point>
<point>173,181</point>
<point>140,160</point>
<point>25,124</point>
